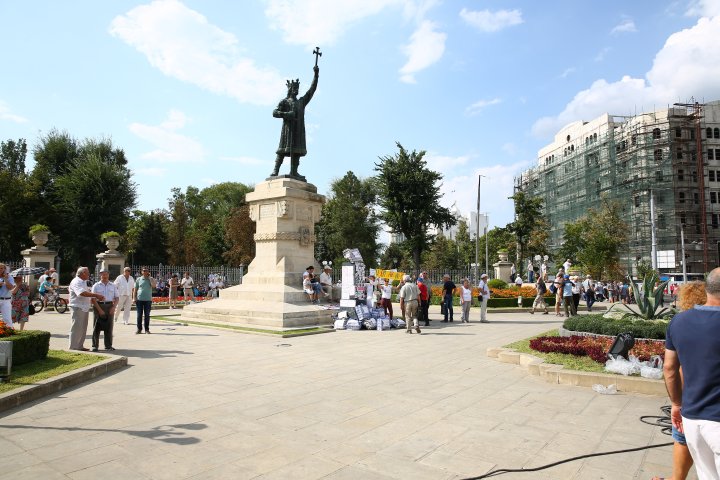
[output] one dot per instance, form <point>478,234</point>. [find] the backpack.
<point>553,288</point>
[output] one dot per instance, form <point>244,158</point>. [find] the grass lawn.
<point>571,362</point>
<point>291,333</point>
<point>57,362</point>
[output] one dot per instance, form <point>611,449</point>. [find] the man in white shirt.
<point>484,294</point>
<point>55,276</point>
<point>518,281</point>
<point>44,277</point>
<point>104,311</point>
<point>326,282</point>
<point>125,285</point>
<point>567,265</point>
<point>187,284</point>
<point>6,284</point>
<point>80,298</point>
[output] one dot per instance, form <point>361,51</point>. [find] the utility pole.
<point>477,231</point>
<point>682,249</point>
<point>487,257</point>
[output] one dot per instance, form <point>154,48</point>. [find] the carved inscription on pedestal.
<point>267,210</point>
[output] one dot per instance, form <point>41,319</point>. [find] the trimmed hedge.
<point>606,326</point>
<point>29,345</point>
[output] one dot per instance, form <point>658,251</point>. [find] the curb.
<point>29,393</point>
<point>227,327</point>
<point>558,375</point>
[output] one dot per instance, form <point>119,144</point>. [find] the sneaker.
<point>110,349</point>
<point>94,349</point>
<point>545,313</point>
<point>138,331</point>
<point>417,329</point>
<point>147,331</point>
<point>408,331</point>
<point>531,312</point>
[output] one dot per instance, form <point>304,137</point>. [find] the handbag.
<point>31,309</point>
<point>443,309</point>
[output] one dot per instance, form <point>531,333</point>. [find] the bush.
<point>29,345</point>
<point>497,283</point>
<point>638,328</point>
<point>595,348</point>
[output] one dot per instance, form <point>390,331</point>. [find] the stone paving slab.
<point>200,403</point>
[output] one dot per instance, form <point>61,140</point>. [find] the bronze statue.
<point>292,111</point>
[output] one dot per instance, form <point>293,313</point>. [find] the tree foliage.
<point>527,224</point>
<point>145,241</point>
<point>348,220</point>
<point>409,199</point>
<point>598,238</point>
<point>18,200</point>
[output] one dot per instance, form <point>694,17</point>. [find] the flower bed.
<point>598,324</point>
<point>510,292</point>
<point>180,298</point>
<point>5,330</point>
<point>594,347</point>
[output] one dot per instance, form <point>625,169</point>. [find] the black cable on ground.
<point>659,421</point>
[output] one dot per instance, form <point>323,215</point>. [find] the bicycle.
<point>53,298</point>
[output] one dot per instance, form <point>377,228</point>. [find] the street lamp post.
<point>477,229</point>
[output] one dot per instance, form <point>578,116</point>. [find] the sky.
<point>187,88</point>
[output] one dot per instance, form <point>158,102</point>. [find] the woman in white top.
<point>465,301</point>
<point>308,287</point>
<point>386,300</point>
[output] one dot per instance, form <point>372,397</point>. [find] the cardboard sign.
<point>389,274</point>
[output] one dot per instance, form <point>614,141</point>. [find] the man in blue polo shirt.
<point>693,343</point>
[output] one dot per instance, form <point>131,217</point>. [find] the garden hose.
<point>659,421</point>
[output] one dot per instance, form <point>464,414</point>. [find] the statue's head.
<point>293,87</point>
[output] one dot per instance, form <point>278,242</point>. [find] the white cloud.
<point>601,54</point>
<point>182,44</point>
<point>478,106</point>
<point>676,75</point>
<point>567,72</point>
<point>425,48</point>
<point>626,26</point>
<point>6,114</point>
<point>703,8</point>
<point>322,22</point>
<point>487,21</point>
<point>441,163</point>
<point>170,146</point>
<point>247,161</point>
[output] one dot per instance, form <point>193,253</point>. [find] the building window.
<point>697,223</point>
<point>633,140</point>
<point>696,198</point>
<point>713,197</point>
<point>681,175</point>
<point>678,153</point>
<point>659,176</point>
<point>661,221</point>
<point>692,134</point>
<point>694,177</point>
<point>594,137</point>
<point>716,132</point>
<point>681,197</point>
<point>678,132</point>
<point>714,220</point>
<point>710,154</point>
<point>717,154</point>
<point>656,133</point>
<point>637,200</point>
<point>682,219</point>
<point>711,175</point>
<point>658,154</point>
<point>708,132</point>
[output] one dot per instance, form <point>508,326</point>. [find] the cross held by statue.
<point>317,54</point>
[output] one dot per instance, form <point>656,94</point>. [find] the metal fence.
<point>435,275</point>
<point>200,274</point>
<point>13,265</point>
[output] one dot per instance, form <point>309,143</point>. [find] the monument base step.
<point>273,315</point>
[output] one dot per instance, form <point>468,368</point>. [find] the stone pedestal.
<point>38,256</point>
<point>502,270</point>
<point>112,261</point>
<point>271,295</point>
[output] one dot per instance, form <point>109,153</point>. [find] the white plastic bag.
<point>653,368</point>
<point>603,390</point>
<point>622,366</point>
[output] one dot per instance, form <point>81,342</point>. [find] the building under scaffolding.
<point>630,159</point>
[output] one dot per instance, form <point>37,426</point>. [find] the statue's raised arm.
<point>292,110</point>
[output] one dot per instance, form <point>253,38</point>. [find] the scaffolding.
<point>628,159</point>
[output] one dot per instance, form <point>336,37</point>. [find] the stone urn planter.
<point>40,238</point>
<point>503,256</point>
<point>112,243</point>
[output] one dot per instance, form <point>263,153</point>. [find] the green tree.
<point>239,233</point>
<point>572,241</point>
<point>18,200</point>
<point>12,156</point>
<point>395,255</point>
<point>146,238</point>
<point>497,238</point>
<point>409,198</point>
<point>348,220</point>
<point>528,213</point>
<point>604,235</point>
<point>442,254</point>
<point>466,246</point>
<point>93,197</point>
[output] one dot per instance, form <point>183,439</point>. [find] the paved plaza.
<point>202,403</point>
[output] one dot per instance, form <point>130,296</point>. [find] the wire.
<point>659,421</point>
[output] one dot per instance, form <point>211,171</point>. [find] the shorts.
<point>173,294</point>
<point>678,437</point>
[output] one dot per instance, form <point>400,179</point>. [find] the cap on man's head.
<point>567,277</point>
<point>587,276</point>
<point>310,268</point>
<point>420,280</point>
<point>104,270</point>
<point>327,267</point>
<point>484,275</point>
<point>52,269</point>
